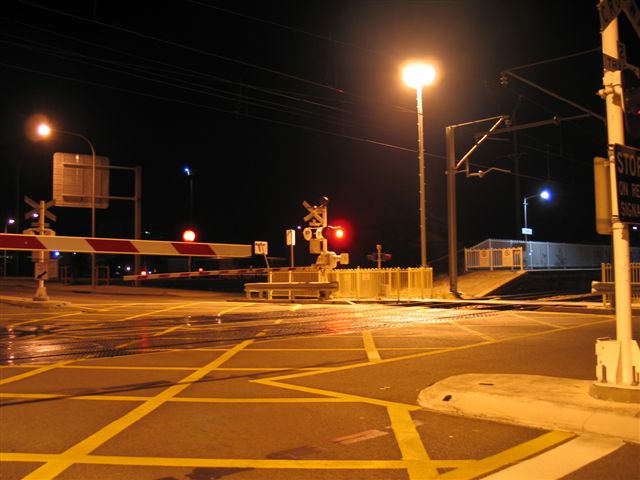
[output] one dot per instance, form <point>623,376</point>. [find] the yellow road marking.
<point>370,346</point>
<point>436,352</point>
<point>232,462</point>
<point>168,330</point>
<point>330,393</point>
<point>37,371</point>
<point>509,456</point>
<point>81,449</point>
<point>154,312</point>
<point>470,330</point>
<point>411,444</point>
<point>524,317</point>
<point>237,307</point>
<point>54,396</point>
<point>296,307</point>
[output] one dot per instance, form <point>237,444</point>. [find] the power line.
<point>207,107</point>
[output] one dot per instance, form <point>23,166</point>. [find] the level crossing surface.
<point>192,385</point>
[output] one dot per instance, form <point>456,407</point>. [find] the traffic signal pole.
<point>616,356</point>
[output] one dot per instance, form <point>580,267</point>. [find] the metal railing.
<point>492,258</point>
<point>384,283</point>
<point>607,276</point>
<point>550,255</point>
<point>370,283</point>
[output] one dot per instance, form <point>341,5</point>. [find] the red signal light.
<point>339,232</point>
<point>189,235</point>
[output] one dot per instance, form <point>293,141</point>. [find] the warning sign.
<point>628,183</point>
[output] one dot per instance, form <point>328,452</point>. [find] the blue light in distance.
<point>545,194</point>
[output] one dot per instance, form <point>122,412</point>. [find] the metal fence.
<point>384,283</point>
<point>607,276</point>
<point>550,255</point>
<point>370,283</point>
<point>492,258</point>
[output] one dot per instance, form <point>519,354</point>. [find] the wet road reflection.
<point>90,335</point>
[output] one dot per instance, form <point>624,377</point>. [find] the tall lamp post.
<point>10,221</point>
<point>544,195</point>
<point>417,75</point>
<point>190,174</point>
<point>44,131</point>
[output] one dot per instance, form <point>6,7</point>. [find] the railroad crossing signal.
<point>379,256</point>
<point>38,209</point>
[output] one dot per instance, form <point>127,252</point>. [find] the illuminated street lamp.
<point>544,195</point>
<point>44,130</point>
<point>10,221</point>
<point>417,75</point>
<point>190,174</point>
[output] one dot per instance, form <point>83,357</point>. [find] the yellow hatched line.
<point>154,312</point>
<point>31,373</point>
<point>470,330</point>
<point>329,393</point>
<point>233,462</point>
<point>524,317</point>
<point>509,456</point>
<point>80,450</point>
<point>433,352</point>
<point>370,346</point>
<point>44,319</point>
<point>139,399</point>
<point>410,444</point>
<point>53,396</point>
<point>237,307</point>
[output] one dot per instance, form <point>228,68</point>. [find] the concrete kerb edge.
<point>457,396</point>
<point>29,302</point>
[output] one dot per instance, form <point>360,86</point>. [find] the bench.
<point>291,290</point>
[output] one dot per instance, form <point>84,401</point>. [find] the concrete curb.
<point>29,302</point>
<point>534,401</point>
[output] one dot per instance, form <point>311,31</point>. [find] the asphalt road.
<point>169,385</point>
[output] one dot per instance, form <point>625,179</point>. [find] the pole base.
<point>617,393</point>
<point>41,295</point>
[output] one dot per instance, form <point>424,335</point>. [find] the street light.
<point>417,75</point>
<point>44,130</point>
<point>544,195</point>
<point>9,221</point>
<point>189,173</point>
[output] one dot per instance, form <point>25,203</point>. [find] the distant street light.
<point>190,173</point>
<point>544,195</point>
<point>44,130</point>
<point>9,221</point>
<point>417,75</point>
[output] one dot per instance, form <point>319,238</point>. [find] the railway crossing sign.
<point>261,247</point>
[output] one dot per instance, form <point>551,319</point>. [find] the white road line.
<point>561,461</point>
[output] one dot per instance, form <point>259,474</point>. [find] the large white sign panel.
<point>72,180</point>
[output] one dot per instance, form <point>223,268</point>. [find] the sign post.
<point>40,258</point>
<point>618,374</point>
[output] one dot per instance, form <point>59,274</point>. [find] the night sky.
<point>274,102</point>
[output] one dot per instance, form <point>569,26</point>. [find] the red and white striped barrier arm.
<point>210,273</point>
<point>117,245</point>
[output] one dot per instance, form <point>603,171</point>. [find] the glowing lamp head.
<point>339,233</point>
<point>545,194</point>
<point>189,235</point>
<point>417,75</point>
<point>43,130</point>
